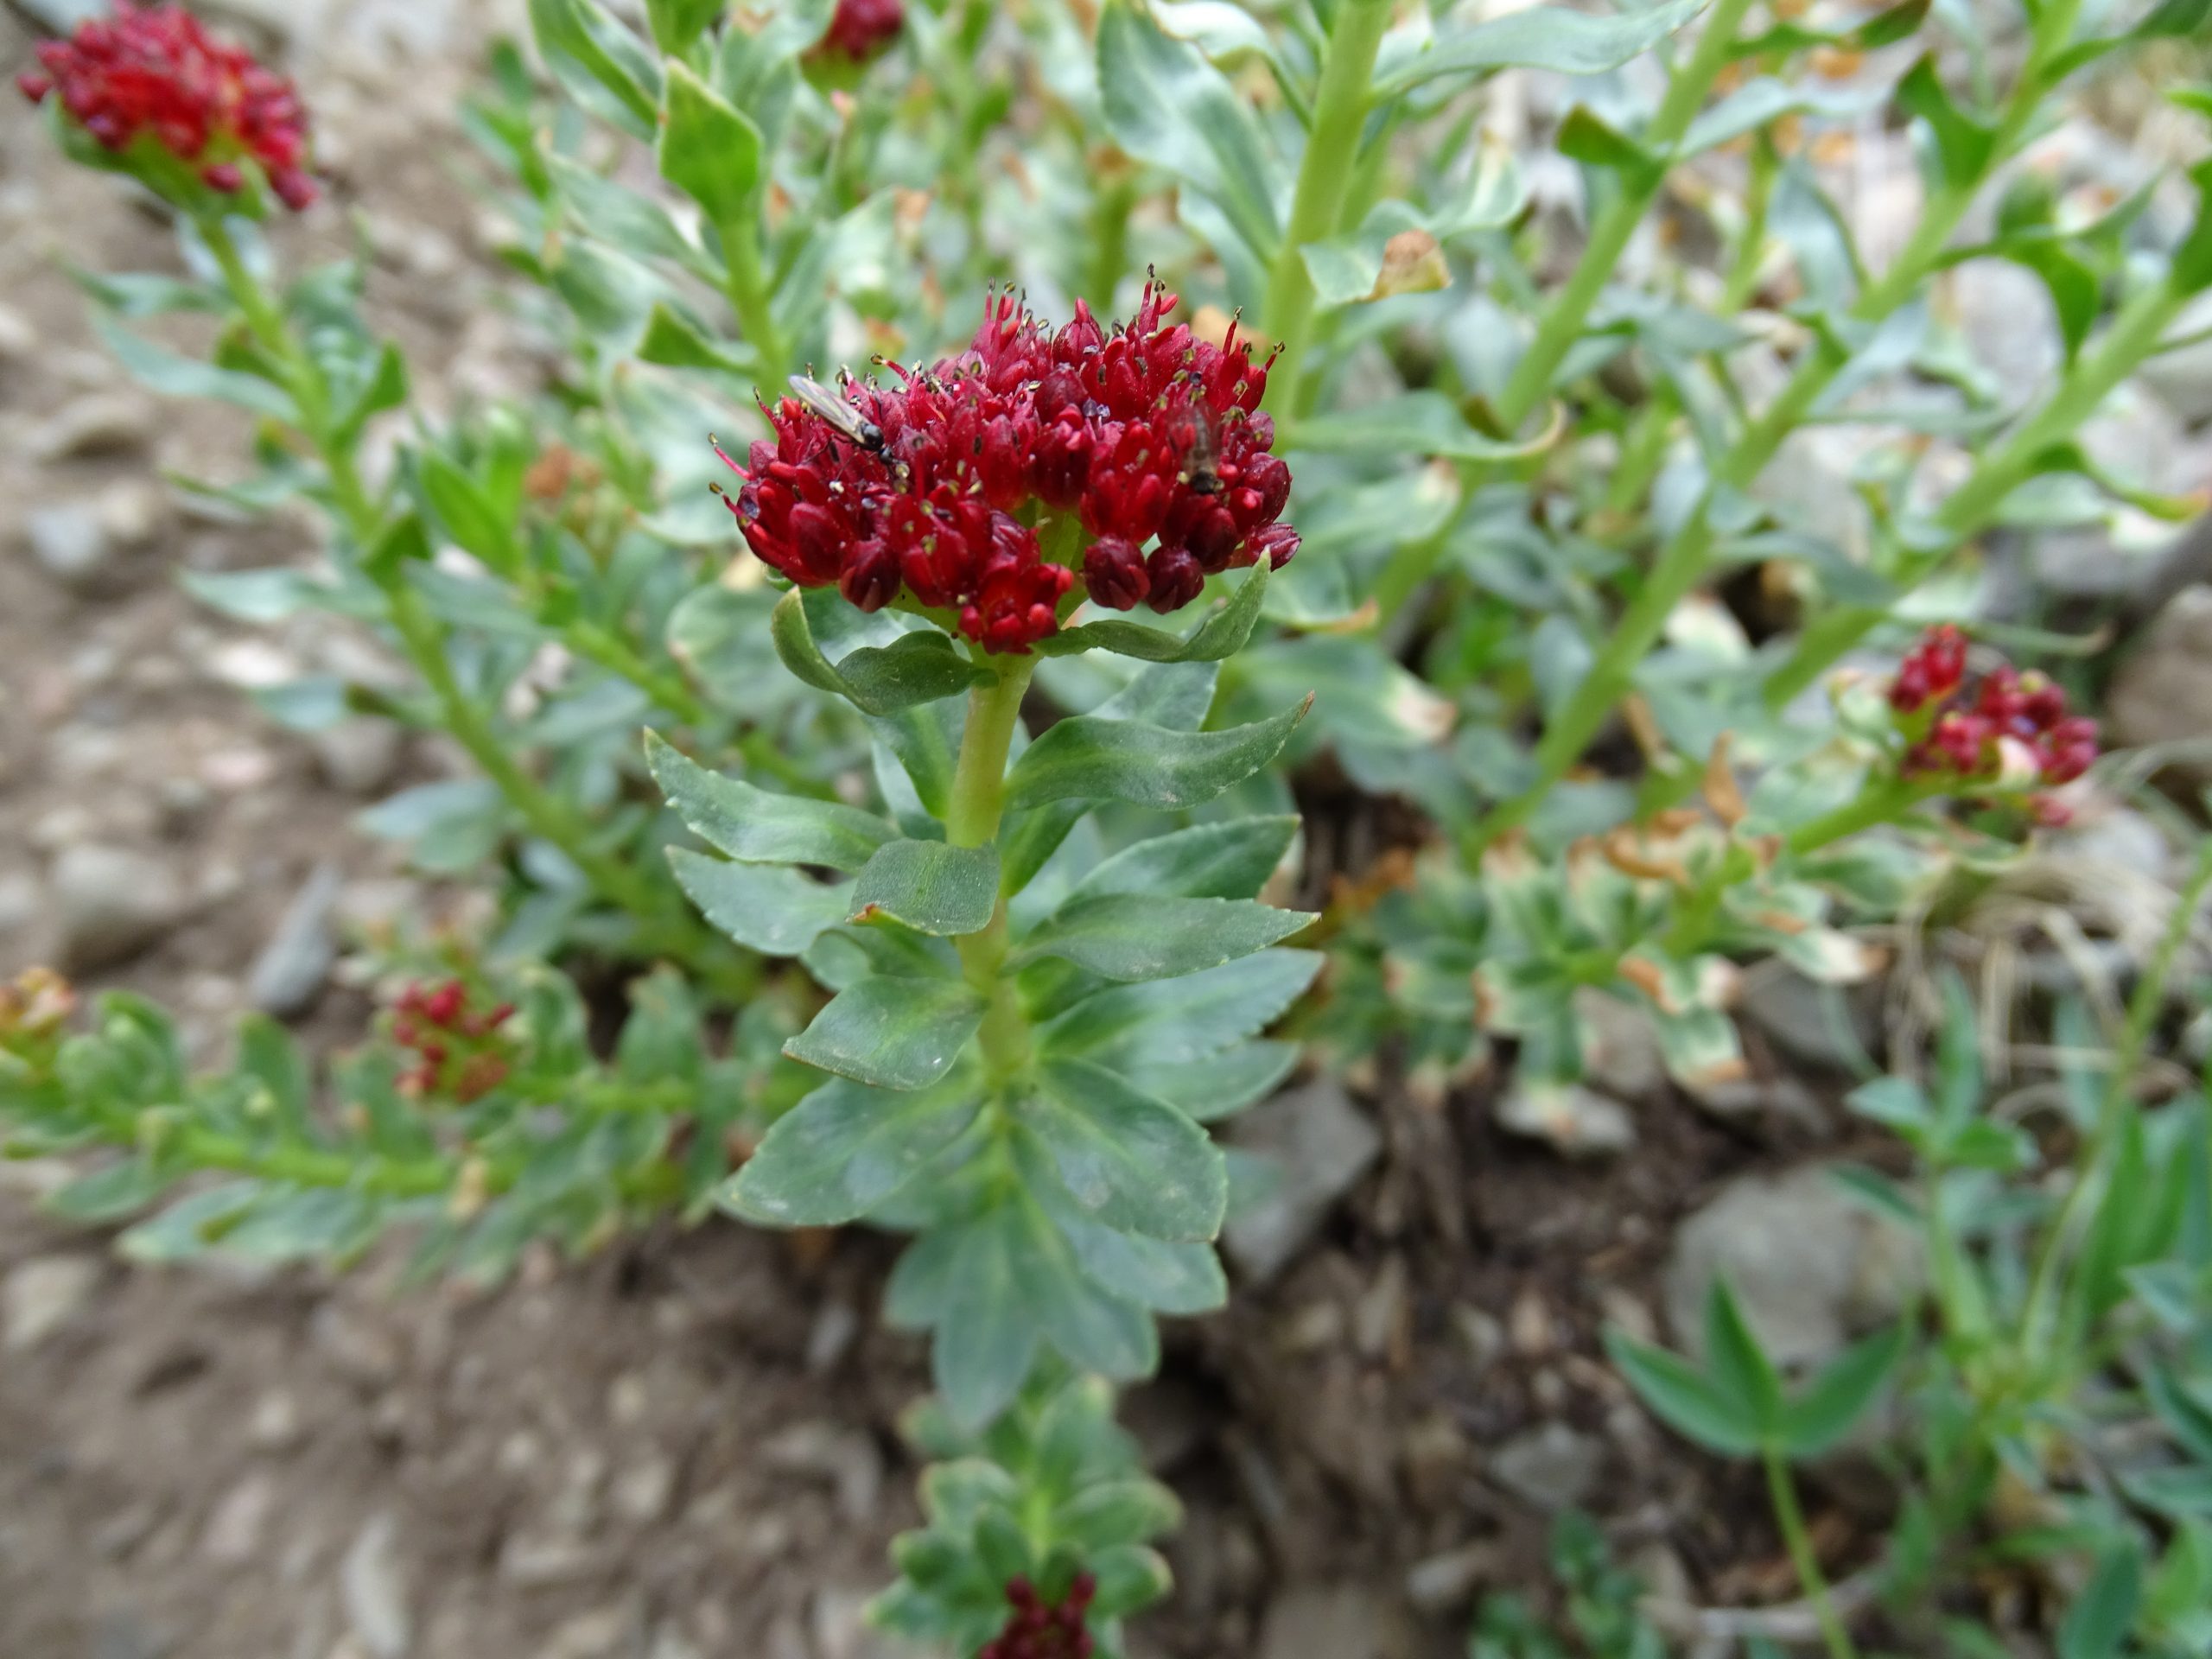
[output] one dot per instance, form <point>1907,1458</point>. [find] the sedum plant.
<point>963,788</point>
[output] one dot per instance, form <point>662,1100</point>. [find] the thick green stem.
<point>749,297</point>
<point>2133,336</point>
<point>1340,107</point>
<point>1877,803</point>
<point>978,804</point>
<point>1782,1491</point>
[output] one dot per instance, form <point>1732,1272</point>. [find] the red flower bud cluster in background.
<point>1039,1631</point>
<point>460,1052</point>
<point>1144,435</point>
<point>2004,725</point>
<point>155,74</point>
<point>860,28</point>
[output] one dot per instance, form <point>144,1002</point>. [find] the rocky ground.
<point>687,1448</point>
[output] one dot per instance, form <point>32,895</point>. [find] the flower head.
<point>153,77</point>
<point>461,1051</point>
<point>1037,1630</point>
<point>936,486</point>
<point>860,28</point>
<point>33,1010</point>
<point>2003,726</point>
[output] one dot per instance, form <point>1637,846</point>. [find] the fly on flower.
<point>835,412</point>
<point>1198,439</point>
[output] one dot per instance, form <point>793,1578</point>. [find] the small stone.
<point>19,901</point>
<point>534,1559</point>
<point>238,1523</point>
<point>1529,1324</point>
<point>98,423</point>
<point>1382,1320</point>
<point>1823,1025</point>
<point>374,1590</point>
<point>111,902</point>
<point>18,339</point>
<point>1810,1265</point>
<point>601,1633</point>
<point>44,1293</point>
<point>275,1426</point>
<point>1575,1120</point>
<point>642,1491</point>
<point>1481,1334</point>
<point>1443,1584</point>
<point>1620,1048</point>
<point>1432,1454</point>
<point>847,1458</point>
<point>72,545</point>
<point>841,1629</point>
<point>2163,692</point>
<point>837,1327</point>
<point>356,1345</point>
<point>359,755</point>
<point>290,973</point>
<point>1320,1145</point>
<point>1326,1621</point>
<point>1552,1468</point>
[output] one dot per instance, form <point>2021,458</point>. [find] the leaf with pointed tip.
<point>759,826</point>
<point>891,1032</point>
<point>846,1148</point>
<point>930,885</point>
<point>1087,758</point>
<point>923,666</point>
<point>1824,1410</point>
<point>1222,634</point>
<point>1127,936</point>
<point>1128,1161</point>
<point>1541,37</point>
<point>1682,1396</point>
<point>773,909</point>
<point>1207,861</point>
<point>709,150</point>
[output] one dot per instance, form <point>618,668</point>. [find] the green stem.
<point>1683,561</point>
<point>2132,337</point>
<point>972,820</point>
<point>1324,180</point>
<point>666,922</point>
<point>1782,1491</point>
<point>1882,803</point>
<point>361,516</point>
<point>2143,1008</point>
<point>1564,319</point>
<point>749,297</point>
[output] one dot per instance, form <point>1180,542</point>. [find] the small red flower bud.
<point>871,576</point>
<point>1176,579</point>
<point>1114,574</point>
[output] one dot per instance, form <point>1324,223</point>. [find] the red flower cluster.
<point>459,1051</point>
<point>1931,671</point>
<point>2004,726</point>
<point>860,28</point>
<point>156,74</point>
<point>936,486</point>
<point>1037,1631</point>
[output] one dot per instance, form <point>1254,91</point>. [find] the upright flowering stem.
<point>1797,1539</point>
<point>2133,336</point>
<point>1564,319</point>
<point>1324,181</point>
<point>1683,561</point>
<point>665,921</point>
<point>977,805</point>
